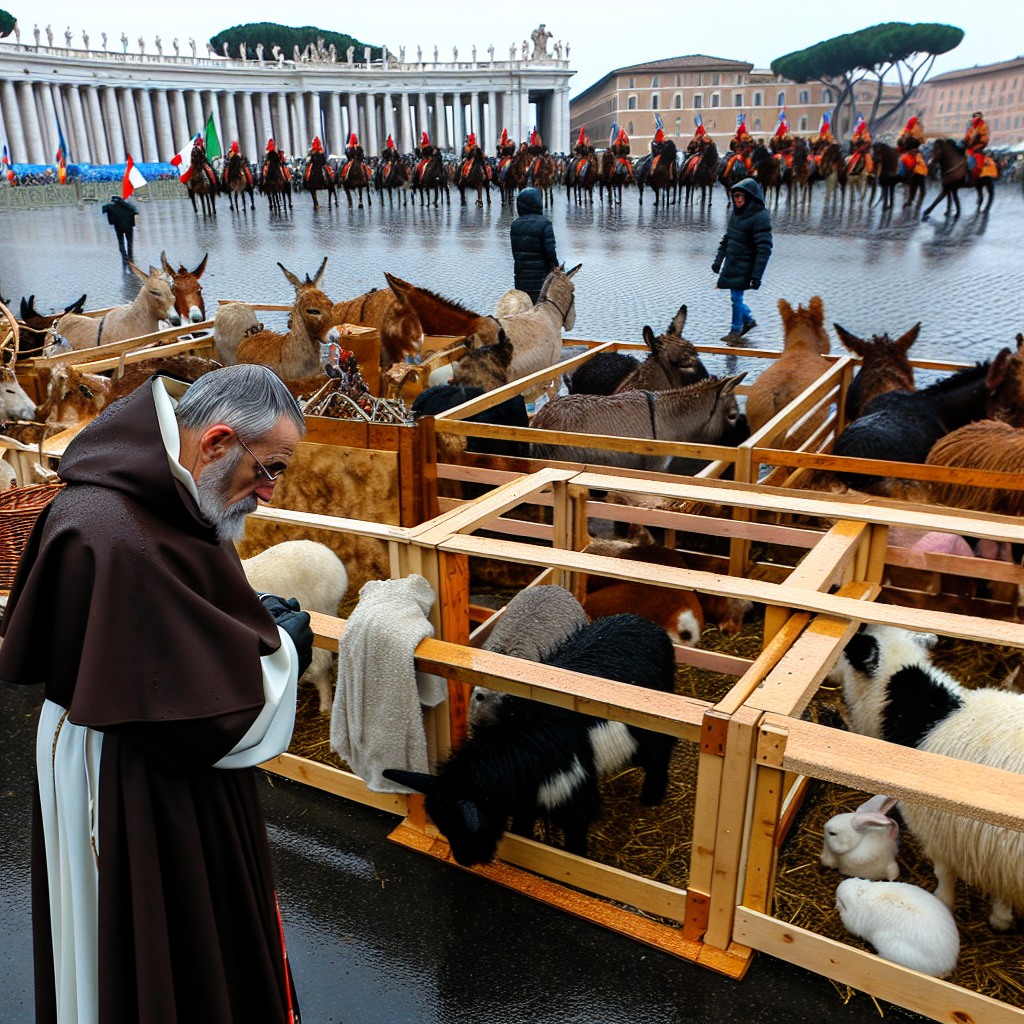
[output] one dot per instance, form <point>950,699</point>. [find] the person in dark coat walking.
<point>533,243</point>
<point>122,215</point>
<point>745,248</point>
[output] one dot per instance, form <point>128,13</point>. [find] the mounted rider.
<point>741,145</point>
<point>860,160</point>
<point>659,148</point>
<point>975,142</point>
<point>201,162</point>
<point>825,138</point>
<point>700,141</point>
<point>506,147</point>
<point>353,155</point>
<point>620,149</point>
<point>242,166</point>
<point>390,152</point>
<point>908,145</point>
<point>467,149</point>
<point>781,143</point>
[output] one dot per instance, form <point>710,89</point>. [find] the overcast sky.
<point>603,35</point>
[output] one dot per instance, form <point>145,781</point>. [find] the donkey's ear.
<point>817,310</point>
<point>318,279</point>
<point>997,371</point>
<point>292,279</point>
<point>78,305</point>
<point>903,344</point>
<point>412,780</point>
<point>856,345</point>
<point>1020,342</point>
<point>571,273</point>
<point>785,311</point>
<point>678,321</point>
<point>730,384</point>
<point>198,272</point>
<point>139,273</point>
<point>163,263</point>
<point>649,339</point>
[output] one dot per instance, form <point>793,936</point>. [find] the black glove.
<point>295,622</point>
<point>755,283</point>
<point>716,267</point>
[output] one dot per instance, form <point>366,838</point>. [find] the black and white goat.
<point>535,758</point>
<point>893,692</point>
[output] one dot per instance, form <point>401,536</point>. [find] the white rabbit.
<point>904,923</point>
<point>863,843</point>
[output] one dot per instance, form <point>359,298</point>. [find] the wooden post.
<point>453,573</point>
<point>579,496</point>
<point>739,549</point>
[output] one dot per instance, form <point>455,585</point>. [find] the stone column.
<point>42,121</point>
<point>179,119</point>
<point>337,129</point>
<point>53,107</point>
<point>130,120</point>
<point>422,120</point>
<point>300,140</point>
<point>524,115</point>
<point>405,142</point>
<point>194,108</point>
<point>389,118</point>
<point>228,118</point>
<point>457,129</point>
<point>371,125</point>
<point>12,119</point>
<point>284,135</point>
<point>440,121</point>
<point>83,151</point>
<point>474,114</point>
<point>491,122</point>
<point>508,116</point>
<point>353,115</point>
<point>248,142</point>
<point>264,124</point>
<point>115,136</point>
<point>148,125</point>
<point>164,132</point>
<point>314,117</point>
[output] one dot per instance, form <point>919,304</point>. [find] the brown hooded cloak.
<point>140,623</point>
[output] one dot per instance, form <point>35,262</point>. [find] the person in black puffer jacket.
<point>121,215</point>
<point>533,243</point>
<point>745,248</point>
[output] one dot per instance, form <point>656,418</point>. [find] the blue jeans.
<point>740,311</point>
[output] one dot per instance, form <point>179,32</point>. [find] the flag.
<point>8,173</point>
<point>698,120</point>
<point>615,133</point>
<point>183,160</point>
<point>133,178</point>
<point>658,122</point>
<point>826,119</point>
<point>212,142</point>
<point>62,148</point>
<point>741,119</point>
<point>782,114</point>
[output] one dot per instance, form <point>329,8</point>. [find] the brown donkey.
<point>1006,386</point>
<point>297,353</point>
<point>672,363</point>
<point>188,292</point>
<point>799,366</point>
<point>884,367</point>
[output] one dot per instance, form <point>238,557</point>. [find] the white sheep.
<point>904,923</point>
<point>231,323</point>
<point>534,624</point>
<point>893,692</point>
<point>314,575</point>
<point>511,302</point>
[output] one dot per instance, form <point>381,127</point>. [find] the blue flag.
<point>697,120</point>
<point>658,122</point>
<point>615,132</point>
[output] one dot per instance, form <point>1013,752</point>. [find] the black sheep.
<point>602,374</point>
<point>510,413</point>
<point>535,758</point>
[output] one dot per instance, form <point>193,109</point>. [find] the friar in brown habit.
<point>166,680</point>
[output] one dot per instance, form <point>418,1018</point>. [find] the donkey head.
<point>676,355</point>
<point>882,354</point>
<point>1006,386</point>
<point>559,290</point>
<point>188,292</point>
<point>157,295</point>
<point>805,327</point>
<point>726,413</point>
<point>313,311</point>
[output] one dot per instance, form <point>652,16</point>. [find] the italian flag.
<point>133,178</point>
<point>183,160</point>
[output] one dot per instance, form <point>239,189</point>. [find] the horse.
<point>203,182</point>
<point>616,171</point>
<point>581,175</point>
<point>732,169</point>
<point>390,175</point>
<point>188,292</point>
<point>429,173</point>
<point>797,170</point>
<point>543,174</point>
<point>701,171</point>
<point>512,173</point>
<point>860,172</point>
<point>765,168</point>
<point>887,175</point>
<point>954,174</point>
<point>319,176</point>
<point>236,179</point>
<point>830,167</point>
<point>355,176</point>
<point>275,181</point>
<point>659,172</point>
<point>472,173</point>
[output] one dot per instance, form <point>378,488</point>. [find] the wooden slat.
<point>940,1000</point>
<point>114,348</point>
<point>356,527</point>
<point>336,781</point>
<point>141,355</point>
<point>956,565</point>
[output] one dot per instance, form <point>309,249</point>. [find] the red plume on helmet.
<point>583,136</point>
<point>317,146</point>
<point>471,140</point>
<point>659,136</point>
<point>426,140</point>
<point>390,144</point>
<point>234,149</point>
<point>504,137</point>
<point>533,137</point>
<point>270,145</point>
<point>911,124</point>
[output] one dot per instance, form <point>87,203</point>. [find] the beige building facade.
<point>717,89</point>
<point>945,103</point>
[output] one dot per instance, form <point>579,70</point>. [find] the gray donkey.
<point>700,413</point>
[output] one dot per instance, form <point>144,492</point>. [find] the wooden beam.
<point>334,780</point>
<point>356,527</point>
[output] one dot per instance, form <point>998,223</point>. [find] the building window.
<point>654,101</point>
<point>803,124</point>
<point>698,102</point>
<point>781,100</point>
<point>737,99</point>
<point>632,83</point>
<point>804,97</point>
<point>629,128</point>
<point>942,95</point>
<point>654,82</point>
<point>940,108</point>
<point>826,96</point>
<point>758,99</point>
<point>715,99</point>
<point>715,79</point>
<point>700,79</point>
<point>679,81</point>
<point>678,101</point>
<point>757,124</point>
<point>631,103</point>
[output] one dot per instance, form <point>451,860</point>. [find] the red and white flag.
<point>133,178</point>
<point>183,160</point>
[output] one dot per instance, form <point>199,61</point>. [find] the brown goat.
<point>311,324</point>
<point>1006,386</point>
<point>188,292</point>
<point>985,444</point>
<point>884,367</point>
<point>73,398</point>
<point>678,612</point>
<point>799,366</point>
<point>672,362</point>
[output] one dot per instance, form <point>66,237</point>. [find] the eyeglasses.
<point>277,467</point>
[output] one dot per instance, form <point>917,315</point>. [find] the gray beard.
<point>227,519</point>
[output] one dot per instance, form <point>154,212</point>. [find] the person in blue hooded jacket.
<point>533,243</point>
<point>745,248</point>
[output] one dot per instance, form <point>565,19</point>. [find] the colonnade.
<point>101,123</point>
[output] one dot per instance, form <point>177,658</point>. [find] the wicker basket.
<point>19,510</point>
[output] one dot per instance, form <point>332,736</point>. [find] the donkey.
<point>699,413</point>
<point>800,365</point>
<point>1006,386</point>
<point>188,292</point>
<point>955,175</point>
<point>297,353</point>
<point>486,367</point>
<point>35,326</point>
<point>155,302</point>
<point>884,367</point>
<point>536,333</point>
<point>15,403</point>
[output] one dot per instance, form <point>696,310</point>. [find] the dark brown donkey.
<point>1006,386</point>
<point>884,367</point>
<point>188,292</point>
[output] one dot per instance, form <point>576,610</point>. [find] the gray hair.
<point>247,397</point>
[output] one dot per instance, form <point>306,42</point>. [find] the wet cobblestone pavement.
<point>963,279</point>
